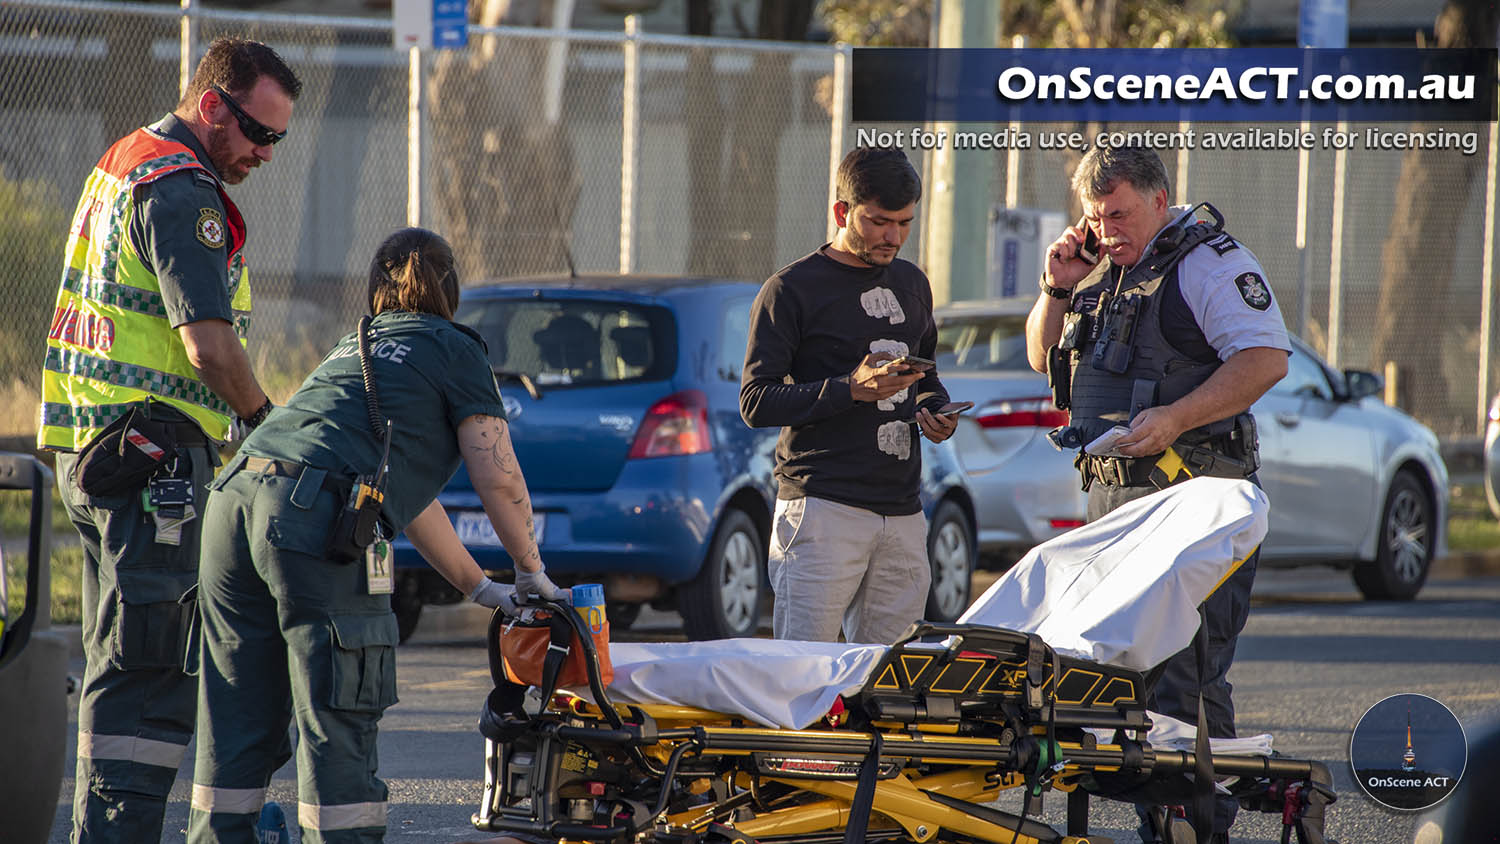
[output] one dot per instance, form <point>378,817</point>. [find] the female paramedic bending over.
<point>290,634</point>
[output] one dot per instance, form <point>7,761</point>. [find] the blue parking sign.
<point>450,23</point>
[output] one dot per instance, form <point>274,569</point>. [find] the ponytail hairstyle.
<point>414,270</point>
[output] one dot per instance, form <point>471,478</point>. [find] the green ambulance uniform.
<point>287,633</point>
<point>135,712</point>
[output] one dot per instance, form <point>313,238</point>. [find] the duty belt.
<point>1114,471</point>
<point>1177,463</point>
<point>286,469</point>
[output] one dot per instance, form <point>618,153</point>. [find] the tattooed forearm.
<point>494,444</point>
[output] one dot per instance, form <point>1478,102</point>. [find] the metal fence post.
<point>416,119</point>
<point>1487,281</point>
<point>1336,251</point>
<point>1304,198</point>
<point>189,29</point>
<point>840,122</point>
<point>630,118</point>
<point>1184,161</point>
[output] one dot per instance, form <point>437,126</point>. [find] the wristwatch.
<point>253,420</point>
<point>1054,292</point>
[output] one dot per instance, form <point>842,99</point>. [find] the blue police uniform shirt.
<point>430,375</point>
<point>1229,298</point>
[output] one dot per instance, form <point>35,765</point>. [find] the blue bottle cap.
<point>588,595</point>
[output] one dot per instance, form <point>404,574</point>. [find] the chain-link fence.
<point>655,154</point>
<point>521,168</point>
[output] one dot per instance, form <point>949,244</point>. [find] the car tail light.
<point>1022,413</point>
<point>676,425</point>
<point>1061,524</point>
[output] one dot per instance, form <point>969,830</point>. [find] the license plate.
<point>475,528</point>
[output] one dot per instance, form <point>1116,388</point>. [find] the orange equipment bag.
<point>524,644</point>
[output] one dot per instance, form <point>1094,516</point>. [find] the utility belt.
<point>1227,449</point>
<point>339,486</point>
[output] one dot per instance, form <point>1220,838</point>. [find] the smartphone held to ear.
<point>1088,251</point>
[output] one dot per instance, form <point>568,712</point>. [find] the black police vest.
<point>1158,372</point>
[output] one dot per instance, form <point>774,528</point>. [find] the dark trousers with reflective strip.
<point>135,707</point>
<point>288,638</point>
<point>1176,692</point>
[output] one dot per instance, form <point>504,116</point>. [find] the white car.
<point>1353,482</point>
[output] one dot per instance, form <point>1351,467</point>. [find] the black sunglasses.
<point>257,132</point>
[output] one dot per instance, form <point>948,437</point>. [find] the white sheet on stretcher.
<point>1123,589</point>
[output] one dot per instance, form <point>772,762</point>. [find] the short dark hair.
<point>882,174</point>
<point>235,65</point>
<point>414,270</point>
<point>1103,168</point>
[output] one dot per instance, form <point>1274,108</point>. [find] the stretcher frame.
<point>951,717</point>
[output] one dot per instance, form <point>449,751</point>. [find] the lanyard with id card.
<point>380,559</point>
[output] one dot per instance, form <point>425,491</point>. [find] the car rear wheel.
<point>1403,556</point>
<point>723,601</point>
<point>950,552</point>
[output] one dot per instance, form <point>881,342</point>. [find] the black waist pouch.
<point>124,456</point>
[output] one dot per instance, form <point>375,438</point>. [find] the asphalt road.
<point>1312,660</point>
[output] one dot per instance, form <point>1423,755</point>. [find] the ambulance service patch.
<point>1253,290</point>
<point>210,228</point>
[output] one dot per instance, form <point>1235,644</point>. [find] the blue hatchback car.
<point>623,399</point>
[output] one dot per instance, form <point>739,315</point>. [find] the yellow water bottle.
<point>588,602</point>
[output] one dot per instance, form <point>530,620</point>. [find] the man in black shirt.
<point>828,335</point>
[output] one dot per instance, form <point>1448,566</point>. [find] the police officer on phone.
<point>1156,322</point>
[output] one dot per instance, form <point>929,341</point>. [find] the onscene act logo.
<point>1408,752</point>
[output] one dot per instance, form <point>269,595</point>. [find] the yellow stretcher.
<point>949,718</point>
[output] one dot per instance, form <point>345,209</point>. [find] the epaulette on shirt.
<point>202,177</point>
<point>1222,244</point>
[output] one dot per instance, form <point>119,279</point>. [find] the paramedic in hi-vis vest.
<point>151,319</point>
<point>1163,326</point>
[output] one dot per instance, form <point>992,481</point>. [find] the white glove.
<point>538,583</point>
<point>494,595</point>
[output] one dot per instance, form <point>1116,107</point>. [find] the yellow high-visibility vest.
<point>110,343</point>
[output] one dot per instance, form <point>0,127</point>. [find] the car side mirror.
<point>1359,383</point>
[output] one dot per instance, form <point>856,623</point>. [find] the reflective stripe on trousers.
<point>346,816</point>
<point>234,801</point>
<point>163,754</point>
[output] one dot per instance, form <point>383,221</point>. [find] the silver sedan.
<point>1353,482</point>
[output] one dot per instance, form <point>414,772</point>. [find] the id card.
<point>380,560</point>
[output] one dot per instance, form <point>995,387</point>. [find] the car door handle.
<point>1288,420</point>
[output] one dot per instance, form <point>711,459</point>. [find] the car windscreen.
<point>981,342</point>
<point>573,342</point>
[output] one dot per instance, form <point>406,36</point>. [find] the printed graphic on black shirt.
<point>894,437</point>
<point>1408,752</point>
<point>896,349</point>
<point>881,303</point>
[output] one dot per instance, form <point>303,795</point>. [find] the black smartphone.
<point>918,363</point>
<point>954,408</point>
<point>1088,251</point>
